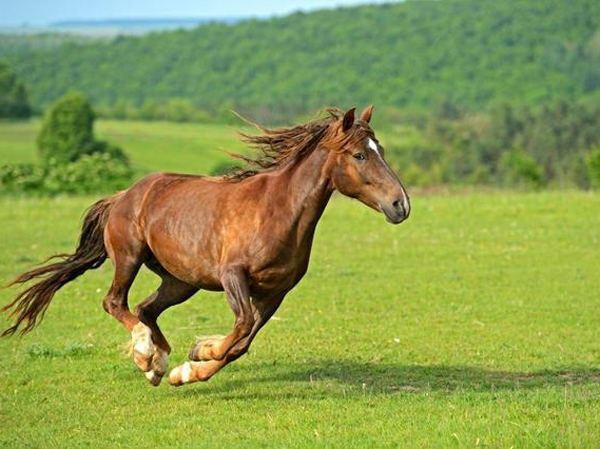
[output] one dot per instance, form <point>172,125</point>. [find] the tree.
<point>67,132</point>
<point>13,96</point>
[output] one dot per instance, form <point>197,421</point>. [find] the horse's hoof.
<point>180,374</point>
<point>158,367</point>
<point>202,350</point>
<point>153,378</point>
<point>143,347</point>
<point>192,353</point>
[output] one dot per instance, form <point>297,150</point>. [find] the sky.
<point>44,12</point>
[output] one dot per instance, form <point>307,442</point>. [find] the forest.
<point>404,55</point>
<point>468,92</point>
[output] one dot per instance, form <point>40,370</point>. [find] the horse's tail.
<point>31,304</point>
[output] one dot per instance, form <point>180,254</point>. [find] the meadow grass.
<point>151,146</point>
<point>475,323</point>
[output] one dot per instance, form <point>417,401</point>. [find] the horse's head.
<point>360,171</point>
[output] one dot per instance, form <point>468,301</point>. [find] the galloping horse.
<point>248,233</point>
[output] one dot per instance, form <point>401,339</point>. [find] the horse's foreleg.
<point>154,363</point>
<point>203,370</point>
<point>235,284</point>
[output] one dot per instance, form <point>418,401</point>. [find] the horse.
<point>248,233</point>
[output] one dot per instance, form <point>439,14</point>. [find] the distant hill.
<point>409,55</point>
<point>113,27</point>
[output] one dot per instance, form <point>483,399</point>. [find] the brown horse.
<point>248,234</point>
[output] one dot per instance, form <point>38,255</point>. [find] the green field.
<point>152,146</point>
<point>475,323</point>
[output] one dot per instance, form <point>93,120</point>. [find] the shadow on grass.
<point>347,378</point>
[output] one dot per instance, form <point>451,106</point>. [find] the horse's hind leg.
<point>115,302</point>
<point>171,292</point>
<point>127,253</point>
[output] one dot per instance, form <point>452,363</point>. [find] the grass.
<point>473,324</point>
<point>154,146</point>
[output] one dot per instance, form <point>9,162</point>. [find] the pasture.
<point>475,323</point>
<point>151,146</point>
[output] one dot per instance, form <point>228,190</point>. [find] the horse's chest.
<point>281,270</point>
<point>276,279</point>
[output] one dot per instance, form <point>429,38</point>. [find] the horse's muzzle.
<point>397,211</point>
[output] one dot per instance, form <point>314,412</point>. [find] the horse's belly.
<point>192,263</point>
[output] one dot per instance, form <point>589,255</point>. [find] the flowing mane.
<point>276,147</point>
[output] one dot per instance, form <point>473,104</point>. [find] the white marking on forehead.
<point>373,146</point>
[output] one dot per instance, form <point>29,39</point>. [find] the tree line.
<point>406,55</point>
<point>557,144</point>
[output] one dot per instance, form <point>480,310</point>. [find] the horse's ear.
<point>348,120</point>
<point>366,113</point>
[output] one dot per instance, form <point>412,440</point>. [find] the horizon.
<point>32,14</point>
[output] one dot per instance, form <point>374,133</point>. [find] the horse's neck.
<point>310,189</point>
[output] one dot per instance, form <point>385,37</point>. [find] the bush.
<point>25,178</point>
<point>95,173</point>
<point>98,172</point>
<point>73,160</point>
<point>115,153</point>
<point>520,170</point>
<point>68,133</point>
<point>592,162</point>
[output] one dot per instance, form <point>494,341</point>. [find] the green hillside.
<point>411,54</point>
<point>157,146</point>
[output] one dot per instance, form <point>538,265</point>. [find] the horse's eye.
<point>359,156</point>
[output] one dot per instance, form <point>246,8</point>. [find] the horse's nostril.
<point>398,206</point>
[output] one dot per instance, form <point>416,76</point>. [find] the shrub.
<point>98,172</point>
<point>95,173</point>
<point>520,170</point>
<point>67,132</point>
<point>592,162</point>
<point>25,178</point>
<point>73,160</point>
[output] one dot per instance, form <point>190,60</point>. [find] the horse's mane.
<point>278,146</point>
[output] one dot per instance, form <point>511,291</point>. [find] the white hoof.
<point>158,368</point>
<point>181,374</point>
<point>153,378</point>
<point>143,347</point>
